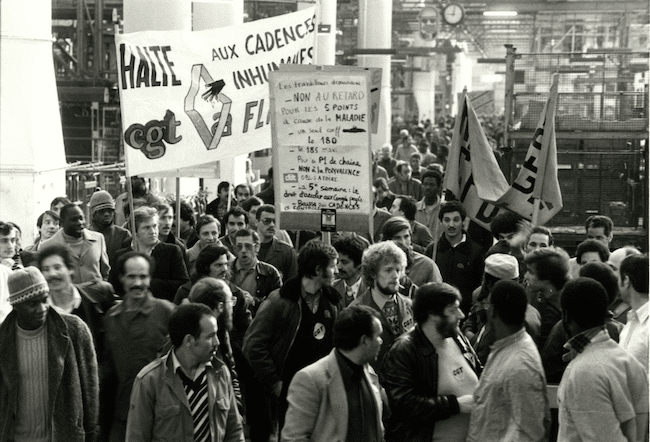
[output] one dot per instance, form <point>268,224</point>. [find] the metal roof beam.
<point>562,6</point>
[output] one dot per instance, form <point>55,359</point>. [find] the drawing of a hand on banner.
<point>213,96</point>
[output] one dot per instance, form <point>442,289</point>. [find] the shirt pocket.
<point>167,425</point>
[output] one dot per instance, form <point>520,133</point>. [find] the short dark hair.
<point>636,268</point>
<point>452,206</point>
<point>6,228</point>
<point>584,301</point>
<point>351,245</point>
<point>55,250</point>
<point>429,173</point>
<point>505,222</point>
<point>509,301</point>
<point>592,245</point>
<point>380,183</point>
<point>251,202</point>
<point>393,226</point>
<point>605,274</point>
<point>235,211</point>
<point>186,320</point>
<point>314,254</point>
<point>208,291</point>
<point>543,231</point>
<point>163,207</point>
<point>17,227</point>
<point>595,221</point>
<point>51,213</point>
<point>432,299</point>
<point>121,261</point>
<point>58,200</point>
<point>223,185</point>
<point>207,256</point>
<point>204,220</point>
<point>246,233</point>
<point>65,209</point>
<point>187,213</point>
<point>245,186</point>
<point>353,323</point>
<point>264,208</point>
<point>551,264</point>
<point>408,206</point>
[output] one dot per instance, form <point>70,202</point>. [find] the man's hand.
<point>466,403</point>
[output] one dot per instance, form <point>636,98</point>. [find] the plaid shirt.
<point>579,342</point>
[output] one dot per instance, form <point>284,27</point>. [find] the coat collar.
<point>293,288</point>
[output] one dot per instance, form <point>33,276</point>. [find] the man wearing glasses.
<point>259,279</point>
<point>249,273</point>
<point>272,250</point>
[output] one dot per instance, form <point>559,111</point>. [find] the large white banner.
<point>190,98</point>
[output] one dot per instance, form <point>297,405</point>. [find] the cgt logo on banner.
<point>474,177</point>
<point>214,98</point>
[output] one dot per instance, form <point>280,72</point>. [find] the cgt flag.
<point>473,175</point>
<point>536,194</point>
<point>474,178</point>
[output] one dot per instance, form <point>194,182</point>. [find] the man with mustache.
<point>190,380</point>
<point>272,250</point>
<point>350,284</point>
<point>135,330</point>
<point>169,271</point>
<point>430,372</point>
<point>88,301</point>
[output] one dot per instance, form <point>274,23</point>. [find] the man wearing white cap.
<point>498,267</point>
<point>102,215</point>
<point>49,387</point>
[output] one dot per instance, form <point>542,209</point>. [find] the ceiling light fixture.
<point>500,13</point>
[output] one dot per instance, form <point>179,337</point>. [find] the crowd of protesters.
<point>428,328</point>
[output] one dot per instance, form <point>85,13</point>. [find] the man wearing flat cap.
<point>49,387</point>
<point>102,215</point>
<point>498,267</point>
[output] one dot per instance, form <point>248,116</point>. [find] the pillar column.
<point>32,155</point>
<point>375,32</point>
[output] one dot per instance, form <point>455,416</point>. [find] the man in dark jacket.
<point>169,271</point>
<point>459,259</point>
<point>294,325</point>
<point>102,215</point>
<point>430,372</point>
<point>49,388</point>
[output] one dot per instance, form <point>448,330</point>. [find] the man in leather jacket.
<point>431,371</point>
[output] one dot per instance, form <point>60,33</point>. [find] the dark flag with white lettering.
<point>474,178</point>
<point>537,185</point>
<point>473,175</point>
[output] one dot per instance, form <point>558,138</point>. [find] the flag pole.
<point>436,225</point>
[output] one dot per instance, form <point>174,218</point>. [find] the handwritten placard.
<point>321,132</point>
